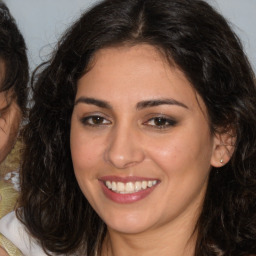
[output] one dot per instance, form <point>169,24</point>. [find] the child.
<point>13,100</point>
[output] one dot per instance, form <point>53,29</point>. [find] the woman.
<point>141,140</point>
<point>13,99</point>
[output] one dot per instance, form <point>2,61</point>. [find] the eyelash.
<point>167,122</point>
<point>88,121</point>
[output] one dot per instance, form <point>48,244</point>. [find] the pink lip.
<point>125,198</point>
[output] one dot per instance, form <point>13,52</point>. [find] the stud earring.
<point>221,161</point>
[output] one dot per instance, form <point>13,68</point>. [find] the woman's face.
<point>140,141</point>
<point>9,119</point>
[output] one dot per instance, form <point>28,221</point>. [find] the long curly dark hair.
<point>201,43</point>
<point>13,55</point>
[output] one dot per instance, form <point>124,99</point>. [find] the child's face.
<point>10,119</point>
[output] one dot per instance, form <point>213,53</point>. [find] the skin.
<point>128,141</point>
<point>9,120</point>
<point>3,252</point>
<point>9,125</point>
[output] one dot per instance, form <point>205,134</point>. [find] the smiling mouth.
<point>129,187</point>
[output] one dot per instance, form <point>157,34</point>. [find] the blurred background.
<point>43,21</point>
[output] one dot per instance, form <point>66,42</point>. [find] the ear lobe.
<point>223,148</point>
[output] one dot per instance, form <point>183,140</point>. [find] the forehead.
<point>135,73</point>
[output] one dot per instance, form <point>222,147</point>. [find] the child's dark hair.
<point>14,57</point>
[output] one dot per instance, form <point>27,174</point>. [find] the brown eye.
<point>95,121</point>
<point>160,122</point>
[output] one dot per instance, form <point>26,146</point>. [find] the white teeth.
<point>120,187</point>
<point>113,186</point>
<point>144,184</point>
<point>150,184</point>
<point>108,184</point>
<point>129,187</point>
<point>137,186</point>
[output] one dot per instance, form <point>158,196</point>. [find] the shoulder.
<point>12,229</point>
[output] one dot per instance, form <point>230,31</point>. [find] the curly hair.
<point>197,39</point>
<point>14,57</point>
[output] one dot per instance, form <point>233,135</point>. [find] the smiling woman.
<point>141,140</point>
<point>141,145</point>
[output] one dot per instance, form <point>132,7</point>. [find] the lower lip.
<point>126,198</point>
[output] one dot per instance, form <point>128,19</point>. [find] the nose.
<point>124,148</point>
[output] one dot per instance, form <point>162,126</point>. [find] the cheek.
<point>9,127</point>
<point>182,153</point>
<point>86,158</point>
<point>5,145</point>
<point>185,167</point>
<point>85,151</point>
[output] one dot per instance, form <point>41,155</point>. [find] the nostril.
<point>125,157</point>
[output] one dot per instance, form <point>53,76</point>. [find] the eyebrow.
<point>92,101</point>
<point>139,105</point>
<point>158,102</point>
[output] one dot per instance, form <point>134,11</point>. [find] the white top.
<point>15,232</point>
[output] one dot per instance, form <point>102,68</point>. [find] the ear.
<point>223,147</point>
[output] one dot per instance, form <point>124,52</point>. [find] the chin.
<point>128,223</point>
<point>127,228</point>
